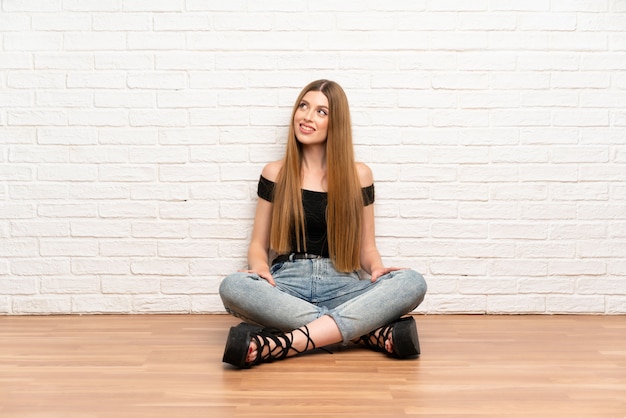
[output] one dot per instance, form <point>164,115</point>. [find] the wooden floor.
<point>170,366</point>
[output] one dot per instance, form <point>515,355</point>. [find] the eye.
<point>302,105</point>
<point>323,112</point>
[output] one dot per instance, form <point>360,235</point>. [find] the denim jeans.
<point>308,289</point>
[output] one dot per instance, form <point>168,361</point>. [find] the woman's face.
<point>310,122</point>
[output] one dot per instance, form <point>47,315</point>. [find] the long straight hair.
<point>344,212</point>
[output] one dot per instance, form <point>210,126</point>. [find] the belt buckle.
<point>291,256</point>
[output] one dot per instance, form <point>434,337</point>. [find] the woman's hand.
<point>381,271</point>
<point>265,275</point>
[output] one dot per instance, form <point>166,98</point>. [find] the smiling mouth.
<point>306,128</point>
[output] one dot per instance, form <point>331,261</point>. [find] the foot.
<point>248,345</point>
<point>264,347</point>
<point>374,338</point>
<point>398,339</point>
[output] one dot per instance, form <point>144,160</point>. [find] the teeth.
<point>306,128</point>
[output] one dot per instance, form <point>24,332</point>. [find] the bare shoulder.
<point>366,178</point>
<point>271,170</point>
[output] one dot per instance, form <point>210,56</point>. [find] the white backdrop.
<point>132,134</point>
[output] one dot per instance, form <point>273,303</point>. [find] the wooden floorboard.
<point>170,366</point>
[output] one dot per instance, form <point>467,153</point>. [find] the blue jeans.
<point>308,289</point>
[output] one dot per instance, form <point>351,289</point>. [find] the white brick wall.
<point>132,133</point>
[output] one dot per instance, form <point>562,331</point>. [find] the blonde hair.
<point>345,200</point>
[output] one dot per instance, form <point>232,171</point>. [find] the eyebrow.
<point>308,103</point>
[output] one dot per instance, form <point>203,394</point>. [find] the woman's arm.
<point>371,261</point>
<point>258,251</point>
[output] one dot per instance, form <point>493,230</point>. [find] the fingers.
<point>378,273</point>
<point>264,275</point>
<point>268,277</point>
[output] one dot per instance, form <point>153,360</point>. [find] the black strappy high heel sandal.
<point>240,337</point>
<point>403,335</point>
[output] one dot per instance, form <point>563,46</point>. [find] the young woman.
<point>313,232</point>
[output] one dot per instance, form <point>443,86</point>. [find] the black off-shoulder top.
<point>314,205</point>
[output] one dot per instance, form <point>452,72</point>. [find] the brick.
<point>125,136</point>
<point>575,304</point>
<point>580,192</point>
<point>189,210</point>
<point>15,22</point>
<point>508,304</point>
<point>43,80</point>
<point>579,6</point>
<point>134,248</point>
<point>127,210</point>
<point>545,285</point>
<point>160,229</point>
<point>459,41</point>
<point>130,286</point>
<point>494,286</point>
<point>33,41</point>
<point>20,247</point>
<point>95,266</point>
<point>175,286</point>
<point>456,267</point>
<point>69,285</point>
<point>162,304</point>
<point>16,99</point>
<point>104,154</point>
<point>67,136</point>
<point>576,267</point>
<point>60,210</point>
<point>37,118</point>
<point>187,249</point>
<point>99,229</point>
<point>178,22</point>
<point>580,230</point>
<point>47,228</point>
<point>94,41</point>
<point>549,136</point>
<point>168,192</point>
<point>16,61</point>
<point>171,267</point>
<point>615,305</point>
<point>67,172</point>
<point>63,99</point>
<point>88,304</point>
<point>472,304</point>
<point>39,267</point>
<point>66,247</point>
<point>99,191</point>
<point>156,41</point>
<point>121,22</point>
<point>91,5</point>
<point>41,305</point>
<point>123,61</point>
<point>580,118</point>
<point>215,267</point>
<point>218,230</point>
<point>15,173</point>
<point>65,22</point>
<point>153,5</point>
<point>580,80</point>
<point>98,118</point>
<point>18,286</point>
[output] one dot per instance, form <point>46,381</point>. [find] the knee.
<point>414,283</point>
<point>231,285</point>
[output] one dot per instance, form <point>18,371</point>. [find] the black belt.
<point>295,256</point>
